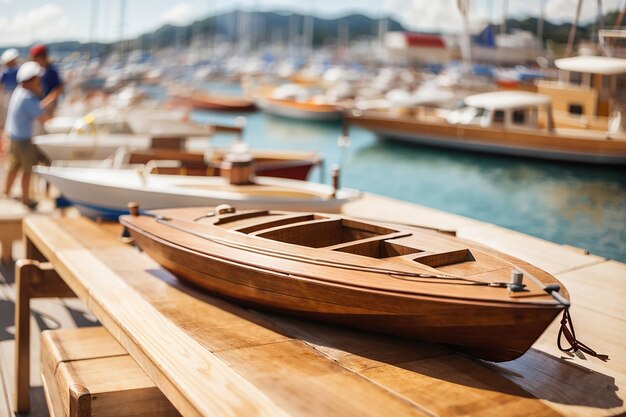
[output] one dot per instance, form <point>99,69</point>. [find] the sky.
<point>23,22</point>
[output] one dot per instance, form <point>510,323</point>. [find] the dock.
<point>286,366</point>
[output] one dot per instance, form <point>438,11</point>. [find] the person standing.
<point>51,83</point>
<point>24,109</point>
<point>8,82</point>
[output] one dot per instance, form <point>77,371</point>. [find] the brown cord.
<point>567,330</point>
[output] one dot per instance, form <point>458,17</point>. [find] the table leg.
<point>6,250</point>
<point>23,275</point>
<point>33,279</point>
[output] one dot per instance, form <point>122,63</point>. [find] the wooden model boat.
<point>403,281</point>
<point>504,122</point>
<point>104,193</point>
<point>267,163</point>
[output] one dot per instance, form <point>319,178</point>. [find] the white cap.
<point>9,55</point>
<point>27,71</point>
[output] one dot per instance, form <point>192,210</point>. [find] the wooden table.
<point>213,358</point>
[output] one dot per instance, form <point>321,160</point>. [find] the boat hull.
<point>219,104</point>
<point>58,148</point>
<point>291,111</point>
<point>99,200</point>
<point>586,147</point>
<point>486,330</point>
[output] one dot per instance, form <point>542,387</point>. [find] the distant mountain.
<point>559,33</point>
<point>265,27</point>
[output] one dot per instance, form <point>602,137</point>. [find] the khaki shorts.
<point>23,154</point>
<point>4,107</point>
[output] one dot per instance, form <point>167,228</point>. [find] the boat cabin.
<point>503,109</point>
<point>591,87</point>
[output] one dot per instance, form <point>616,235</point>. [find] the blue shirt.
<point>9,79</point>
<point>49,80</point>
<point>24,109</point>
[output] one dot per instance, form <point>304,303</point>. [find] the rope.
<point>567,330</point>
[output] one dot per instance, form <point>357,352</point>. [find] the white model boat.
<point>105,193</point>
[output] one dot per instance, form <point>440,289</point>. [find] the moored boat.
<point>124,120</point>
<point>267,163</point>
<point>293,109</point>
<point>404,281</point>
<point>504,122</point>
<point>213,102</point>
<point>296,102</point>
<point>104,193</point>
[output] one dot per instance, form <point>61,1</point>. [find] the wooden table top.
<point>214,358</point>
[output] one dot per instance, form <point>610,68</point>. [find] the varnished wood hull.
<point>215,103</point>
<point>565,145</point>
<point>490,331</point>
<point>301,111</point>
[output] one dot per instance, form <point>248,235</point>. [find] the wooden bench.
<point>86,372</point>
<point>11,215</point>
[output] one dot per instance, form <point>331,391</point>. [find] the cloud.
<point>433,16</point>
<point>44,23</point>
<point>565,10</point>
<point>177,15</point>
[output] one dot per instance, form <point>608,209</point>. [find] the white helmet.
<point>27,71</point>
<point>9,55</point>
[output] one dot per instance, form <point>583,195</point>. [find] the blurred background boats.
<point>520,87</point>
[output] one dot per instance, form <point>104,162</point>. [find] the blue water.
<point>575,204</point>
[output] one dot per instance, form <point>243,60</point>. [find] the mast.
<point>93,25</point>
<point>540,22</point>
<point>505,13</point>
<point>309,27</point>
<point>572,32</point>
<point>618,22</point>
<point>121,27</point>
<point>466,46</point>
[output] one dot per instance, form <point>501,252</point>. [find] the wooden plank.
<point>568,386</point>
<point>117,386</point>
<point>550,257</point>
<point>371,206</point>
<point>193,379</point>
<point>580,385</point>
<point>5,409</point>
<point>251,344</point>
<point>433,378</point>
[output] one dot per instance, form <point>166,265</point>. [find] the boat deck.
<point>419,378</point>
